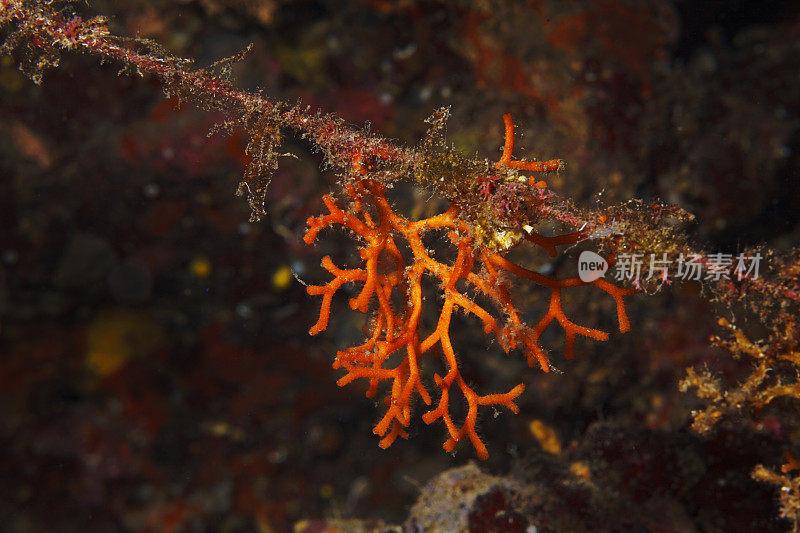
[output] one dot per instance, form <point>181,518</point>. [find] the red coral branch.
<point>392,295</point>
<point>533,166</point>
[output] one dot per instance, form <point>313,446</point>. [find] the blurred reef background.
<point>156,372</point>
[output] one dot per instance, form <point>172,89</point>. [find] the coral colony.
<point>493,207</point>
<point>387,277</point>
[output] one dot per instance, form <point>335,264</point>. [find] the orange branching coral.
<point>391,293</point>
<point>533,166</point>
